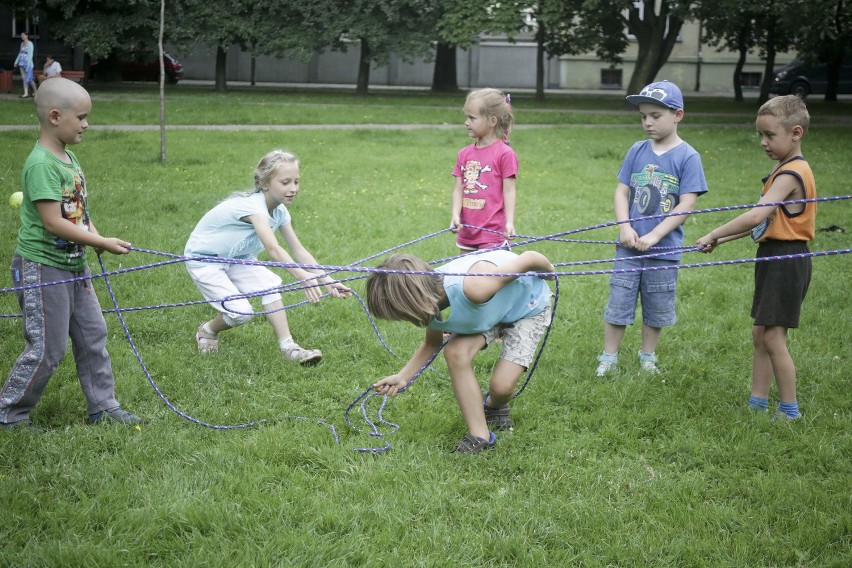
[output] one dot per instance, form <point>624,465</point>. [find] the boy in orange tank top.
<point>782,230</point>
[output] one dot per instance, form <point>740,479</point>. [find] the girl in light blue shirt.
<point>240,228</point>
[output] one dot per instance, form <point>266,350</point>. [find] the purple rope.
<point>160,394</point>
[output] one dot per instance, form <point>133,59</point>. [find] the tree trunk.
<point>770,61</point>
<point>445,74</point>
<point>162,83</point>
<point>738,69</point>
<point>363,84</point>
<point>221,69</point>
<point>655,44</point>
<point>833,77</point>
<point>539,61</point>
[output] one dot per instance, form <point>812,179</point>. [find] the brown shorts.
<point>780,286</point>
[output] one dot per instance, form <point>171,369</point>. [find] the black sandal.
<point>471,444</point>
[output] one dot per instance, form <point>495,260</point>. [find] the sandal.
<point>293,352</point>
<point>207,342</point>
<point>499,418</point>
<point>471,444</point>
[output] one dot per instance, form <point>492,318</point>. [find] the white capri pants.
<point>216,281</point>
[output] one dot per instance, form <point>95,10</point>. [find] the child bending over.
<point>477,310</point>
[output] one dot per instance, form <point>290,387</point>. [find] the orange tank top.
<point>783,225</point>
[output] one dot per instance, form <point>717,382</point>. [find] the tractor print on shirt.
<point>653,192</point>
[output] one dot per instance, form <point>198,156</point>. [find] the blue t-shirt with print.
<point>656,183</point>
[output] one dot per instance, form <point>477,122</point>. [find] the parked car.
<point>138,68</point>
<point>802,79</point>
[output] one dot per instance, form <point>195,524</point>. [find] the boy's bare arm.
<point>392,384</point>
<point>783,188</point>
<point>668,224</point>
<point>51,217</point>
<point>626,233</point>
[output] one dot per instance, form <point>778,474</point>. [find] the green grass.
<point>633,470</point>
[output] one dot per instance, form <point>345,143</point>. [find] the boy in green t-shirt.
<point>55,229</point>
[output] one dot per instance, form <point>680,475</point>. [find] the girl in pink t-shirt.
<point>485,172</point>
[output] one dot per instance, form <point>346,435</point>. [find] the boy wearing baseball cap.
<point>659,177</point>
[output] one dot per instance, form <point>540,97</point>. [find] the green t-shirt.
<point>47,178</point>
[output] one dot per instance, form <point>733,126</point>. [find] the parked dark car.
<point>137,69</point>
<point>802,79</point>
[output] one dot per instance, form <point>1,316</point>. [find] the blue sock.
<point>757,403</point>
<point>791,409</point>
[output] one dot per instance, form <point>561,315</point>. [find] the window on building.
<point>610,78</point>
<point>23,24</point>
<point>750,80</point>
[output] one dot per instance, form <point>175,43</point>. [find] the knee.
<point>456,355</point>
<point>501,391</point>
<point>235,320</point>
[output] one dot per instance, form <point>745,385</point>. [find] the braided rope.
<point>369,393</point>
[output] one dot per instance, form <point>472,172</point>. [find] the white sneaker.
<point>607,364</point>
<point>649,362</point>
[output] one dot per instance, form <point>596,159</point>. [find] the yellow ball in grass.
<point>16,199</point>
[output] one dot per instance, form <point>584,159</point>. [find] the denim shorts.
<point>655,287</point>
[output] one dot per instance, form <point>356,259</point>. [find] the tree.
<point>458,23</point>
<point>573,27</point>
<point>104,28</point>
<point>731,25</point>
<point>772,30</point>
<point>656,25</point>
<point>381,28</point>
<point>827,38</point>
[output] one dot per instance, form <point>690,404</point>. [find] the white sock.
<point>286,342</point>
<point>206,328</point>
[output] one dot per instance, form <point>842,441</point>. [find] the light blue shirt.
<point>222,232</point>
<point>524,297</point>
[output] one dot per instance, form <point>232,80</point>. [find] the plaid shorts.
<point>521,338</point>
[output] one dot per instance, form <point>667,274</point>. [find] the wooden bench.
<point>73,75</point>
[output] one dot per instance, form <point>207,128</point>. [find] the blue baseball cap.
<point>662,93</point>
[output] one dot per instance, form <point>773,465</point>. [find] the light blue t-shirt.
<point>524,297</point>
<point>656,183</point>
<point>222,232</point>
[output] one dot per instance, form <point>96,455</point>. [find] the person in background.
<point>51,69</point>
<point>24,62</point>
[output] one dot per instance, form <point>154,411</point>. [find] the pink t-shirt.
<point>482,171</point>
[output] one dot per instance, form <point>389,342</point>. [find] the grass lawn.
<point>667,470</point>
